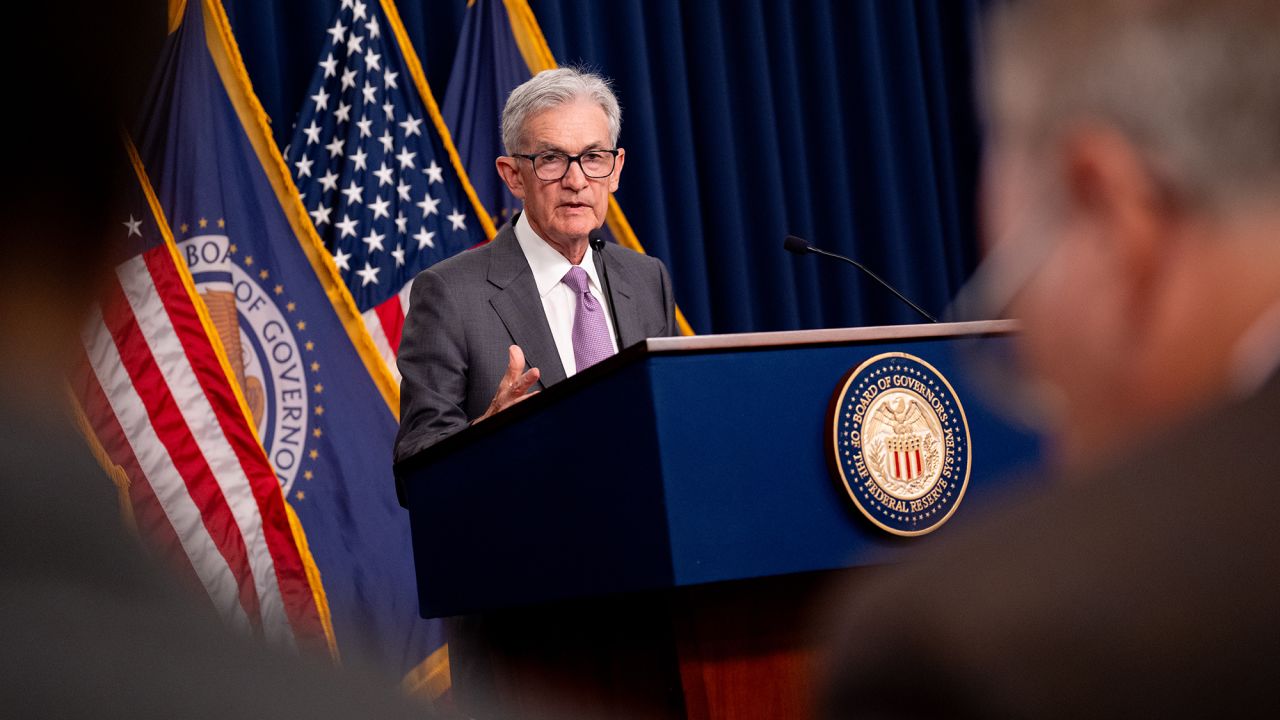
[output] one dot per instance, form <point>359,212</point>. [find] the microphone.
<point>596,239</point>
<point>799,246</point>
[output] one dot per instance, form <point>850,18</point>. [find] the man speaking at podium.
<point>538,303</point>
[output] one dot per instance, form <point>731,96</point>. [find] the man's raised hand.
<point>515,384</point>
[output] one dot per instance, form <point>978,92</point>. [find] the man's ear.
<point>1113,195</point>
<point>510,175</point>
<point>617,171</point>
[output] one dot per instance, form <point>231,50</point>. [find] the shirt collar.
<point>1257,354</point>
<point>548,265</point>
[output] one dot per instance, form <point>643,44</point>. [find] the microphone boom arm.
<point>798,246</point>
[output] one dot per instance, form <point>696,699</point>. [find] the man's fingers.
<point>514,387</point>
<point>526,381</point>
<point>515,383</point>
<point>515,365</point>
<point>524,397</point>
<point>520,383</point>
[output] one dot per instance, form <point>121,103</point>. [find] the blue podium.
<point>667,516</point>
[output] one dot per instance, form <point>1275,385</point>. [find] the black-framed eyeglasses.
<point>555,165</point>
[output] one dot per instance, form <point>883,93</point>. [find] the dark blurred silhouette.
<point>1134,177</point>
<point>88,628</point>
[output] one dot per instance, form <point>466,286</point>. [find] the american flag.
<point>323,398</point>
<point>164,414</point>
<point>371,162</point>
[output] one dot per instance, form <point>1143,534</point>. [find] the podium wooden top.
<point>790,338</point>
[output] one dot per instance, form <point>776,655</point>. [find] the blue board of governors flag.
<point>487,66</point>
<point>321,400</point>
<point>374,173</point>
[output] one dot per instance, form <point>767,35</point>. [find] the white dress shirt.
<point>1257,354</point>
<point>559,301</point>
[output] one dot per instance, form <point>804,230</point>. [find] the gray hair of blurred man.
<point>1193,84</point>
<point>552,88</point>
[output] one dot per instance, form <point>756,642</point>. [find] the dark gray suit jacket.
<point>466,311</point>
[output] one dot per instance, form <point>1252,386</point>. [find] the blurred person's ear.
<point>1113,196</point>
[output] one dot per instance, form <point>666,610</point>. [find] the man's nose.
<point>575,178</point>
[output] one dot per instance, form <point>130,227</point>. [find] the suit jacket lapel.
<point>623,297</point>
<point>520,307</point>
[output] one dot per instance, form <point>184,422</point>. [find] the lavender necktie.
<point>591,342</point>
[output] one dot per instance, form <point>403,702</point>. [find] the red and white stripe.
<point>203,491</point>
<point>386,323</point>
<point>907,464</point>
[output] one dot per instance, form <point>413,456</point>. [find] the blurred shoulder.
<point>1098,564</point>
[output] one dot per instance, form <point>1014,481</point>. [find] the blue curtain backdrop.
<point>848,122</point>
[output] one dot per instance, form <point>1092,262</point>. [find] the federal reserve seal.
<point>899,443</point>
<point>265,351</point>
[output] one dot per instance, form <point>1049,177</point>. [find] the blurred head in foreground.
<point>1133,202</point>
<point>84,71</point>
<point>1134,158</point>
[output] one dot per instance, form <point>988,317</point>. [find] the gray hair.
<point>1194,84</point>
<point>552,88</point>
